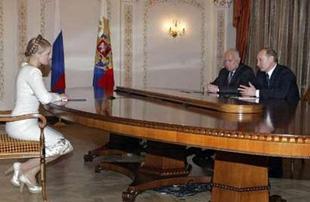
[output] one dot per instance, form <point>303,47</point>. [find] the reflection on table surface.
<point>278,117</point>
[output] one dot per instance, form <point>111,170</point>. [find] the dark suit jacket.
<point>282,84</point>
<point>243,75</point>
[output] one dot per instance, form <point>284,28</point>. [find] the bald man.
<point>232,75</point>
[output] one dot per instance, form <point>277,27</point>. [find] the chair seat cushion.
<point>14,146</point>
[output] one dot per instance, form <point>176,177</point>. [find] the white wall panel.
<point>9,52</point>
<point>175,63</point>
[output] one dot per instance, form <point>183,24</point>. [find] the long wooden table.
<point>243,134</point>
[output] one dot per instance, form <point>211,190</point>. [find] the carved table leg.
<point>163,165</point>
<point>117,145</point>
<point>159,171</point>
<point>136,188</point>
<point>91,155</point>
<point>129,195</point>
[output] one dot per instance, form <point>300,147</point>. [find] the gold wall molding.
<point>1,52</point>
<point>126,47</point>
<point>147,7</point>
<point>128,23</point>
<point>22,30</point>
<point>220,37</point>
<point>42,17</point>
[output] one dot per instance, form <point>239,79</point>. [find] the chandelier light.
<point>176,29</point>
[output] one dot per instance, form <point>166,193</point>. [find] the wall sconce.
<point>176,29</point>
<point>223,3</point>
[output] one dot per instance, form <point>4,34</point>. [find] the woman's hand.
<point>64,98</point>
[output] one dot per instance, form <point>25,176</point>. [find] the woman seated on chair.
<point>30,92</point>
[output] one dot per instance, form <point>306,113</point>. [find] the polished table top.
<point>211,101</point>
<point>281,129</point>
<point>278,117</point>
<point>273,128</point>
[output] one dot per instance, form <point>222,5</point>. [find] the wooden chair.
<point>11,148</point>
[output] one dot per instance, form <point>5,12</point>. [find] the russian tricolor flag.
<point>58,83</point>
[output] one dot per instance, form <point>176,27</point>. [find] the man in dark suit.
<point>273,81</point>
<point>232,75</point>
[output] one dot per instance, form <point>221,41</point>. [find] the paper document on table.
<point>249,99</point>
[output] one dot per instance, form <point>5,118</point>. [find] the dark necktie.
<point>268,80</point>
<point>230,76</point>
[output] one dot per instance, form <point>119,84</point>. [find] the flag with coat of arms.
<point>103,71</point>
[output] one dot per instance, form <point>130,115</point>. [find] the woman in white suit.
<point>30,92</point>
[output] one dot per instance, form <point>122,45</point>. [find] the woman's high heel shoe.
<point>31,187</point>
<point>17,172</point>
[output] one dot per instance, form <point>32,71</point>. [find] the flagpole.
<point>57,26</point>
<point>103,8</point>
<point>56,18</point>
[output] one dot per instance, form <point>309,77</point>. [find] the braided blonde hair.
<point>36,45</point>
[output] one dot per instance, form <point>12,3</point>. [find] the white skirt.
<point>55,143</point>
